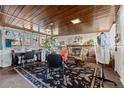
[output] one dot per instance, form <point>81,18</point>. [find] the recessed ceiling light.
<point>76,21</point>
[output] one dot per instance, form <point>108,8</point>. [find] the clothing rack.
<point>102,75</point>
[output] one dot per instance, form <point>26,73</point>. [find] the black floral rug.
<point>74,76</point>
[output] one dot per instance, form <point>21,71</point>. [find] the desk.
<point>17,58</point>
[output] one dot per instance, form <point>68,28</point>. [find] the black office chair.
<point>28,56</point>
<point>55,62</point>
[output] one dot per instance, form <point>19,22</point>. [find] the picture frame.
<point>0,40</point>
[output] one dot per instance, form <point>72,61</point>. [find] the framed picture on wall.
<point>8,43</point>
<point>118,30</point>
<point>0,40</point>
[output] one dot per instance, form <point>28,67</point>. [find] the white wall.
<point>112,35</point>
<point>122,43</point>
<point>69,39</point>
<point>119,55</point>
<point>5,53</point>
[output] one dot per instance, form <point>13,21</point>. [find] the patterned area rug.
<point>74,76</point>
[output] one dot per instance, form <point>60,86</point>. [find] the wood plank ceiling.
<point>94,18</point>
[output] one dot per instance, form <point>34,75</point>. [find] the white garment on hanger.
<point>102,55</point>
<point>102,49</point>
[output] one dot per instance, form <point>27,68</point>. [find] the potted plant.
<point>50,43</point>
<point>91,42</point>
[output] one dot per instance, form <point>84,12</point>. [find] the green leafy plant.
<point>50,43</point>
<point>91,42</point>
